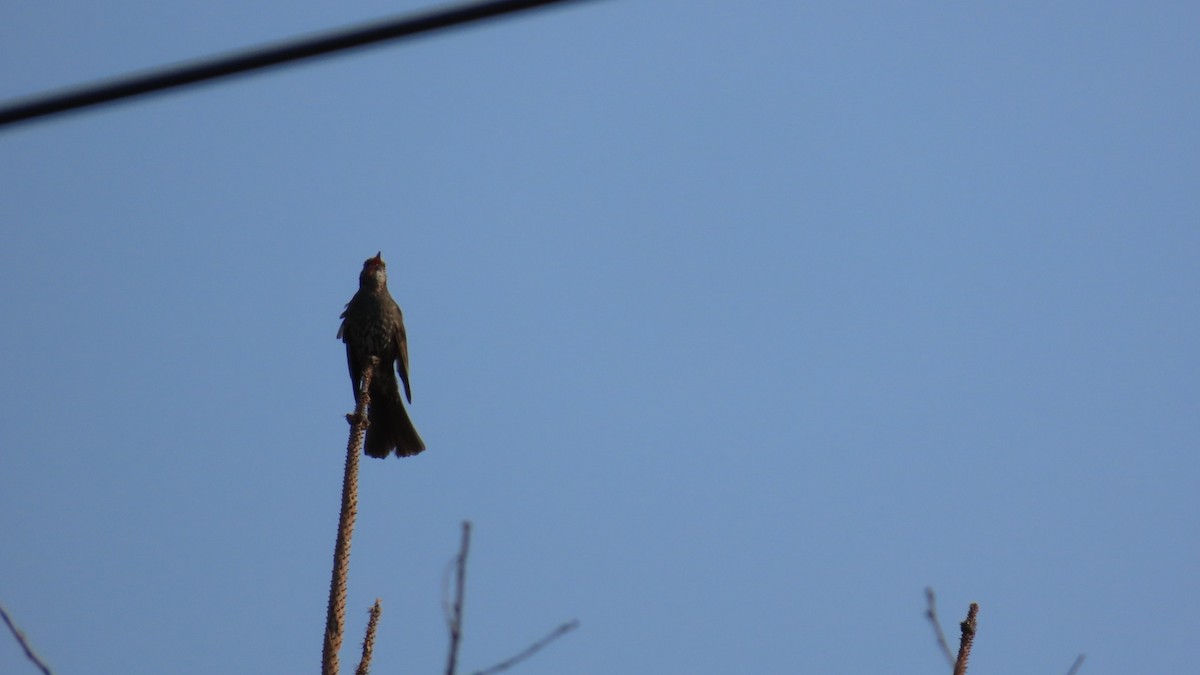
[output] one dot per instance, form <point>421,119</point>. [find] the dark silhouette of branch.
<point>335,617</point>
<point>531,649</point>
<point>931,614</point>
<point>20,636</point>
<point>968,638</point>
<point>179,75</point>
<point>453,607</point>
<point>364,666</point>
<point>1077,665</point>
<point>455,614</point>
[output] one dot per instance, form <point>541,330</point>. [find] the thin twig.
<point>20,636</point>
<point>968,637</point>
<point>931,614</point>
<point>531,649</point>
<point>335,617</point>
<point>364,666</point>
<point>1077,665</point>
<point>456,613</point>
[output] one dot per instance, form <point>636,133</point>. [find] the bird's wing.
<point>342,327</point>
<point>402,359</point>
<point>355,370</point>
<point>351,362</point>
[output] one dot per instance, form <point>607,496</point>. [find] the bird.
<point>373,325</point>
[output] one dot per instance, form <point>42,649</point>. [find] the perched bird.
<point>373,325</point>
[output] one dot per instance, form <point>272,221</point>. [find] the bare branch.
<point>20,636</point>
<point>335,617</point>
<point>931,614</point>
<point>531,649</point>
<point>456,612</point>
<point>968,638</point>
<point>364,666</point>
<point>1077,665</point>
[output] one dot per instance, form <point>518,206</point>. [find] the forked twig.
<point>531,649</point>
<point>20,636</point>
<point>453,607</point>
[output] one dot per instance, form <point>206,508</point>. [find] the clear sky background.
<point>732,326</point>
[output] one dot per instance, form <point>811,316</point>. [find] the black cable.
<point>255,58</point>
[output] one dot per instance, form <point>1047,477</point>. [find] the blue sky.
<point>732,327</point>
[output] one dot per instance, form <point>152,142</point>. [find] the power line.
<point>259,57</point>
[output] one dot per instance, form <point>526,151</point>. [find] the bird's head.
<point>374,273</point>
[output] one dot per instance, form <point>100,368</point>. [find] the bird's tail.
<point>390,428</point>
